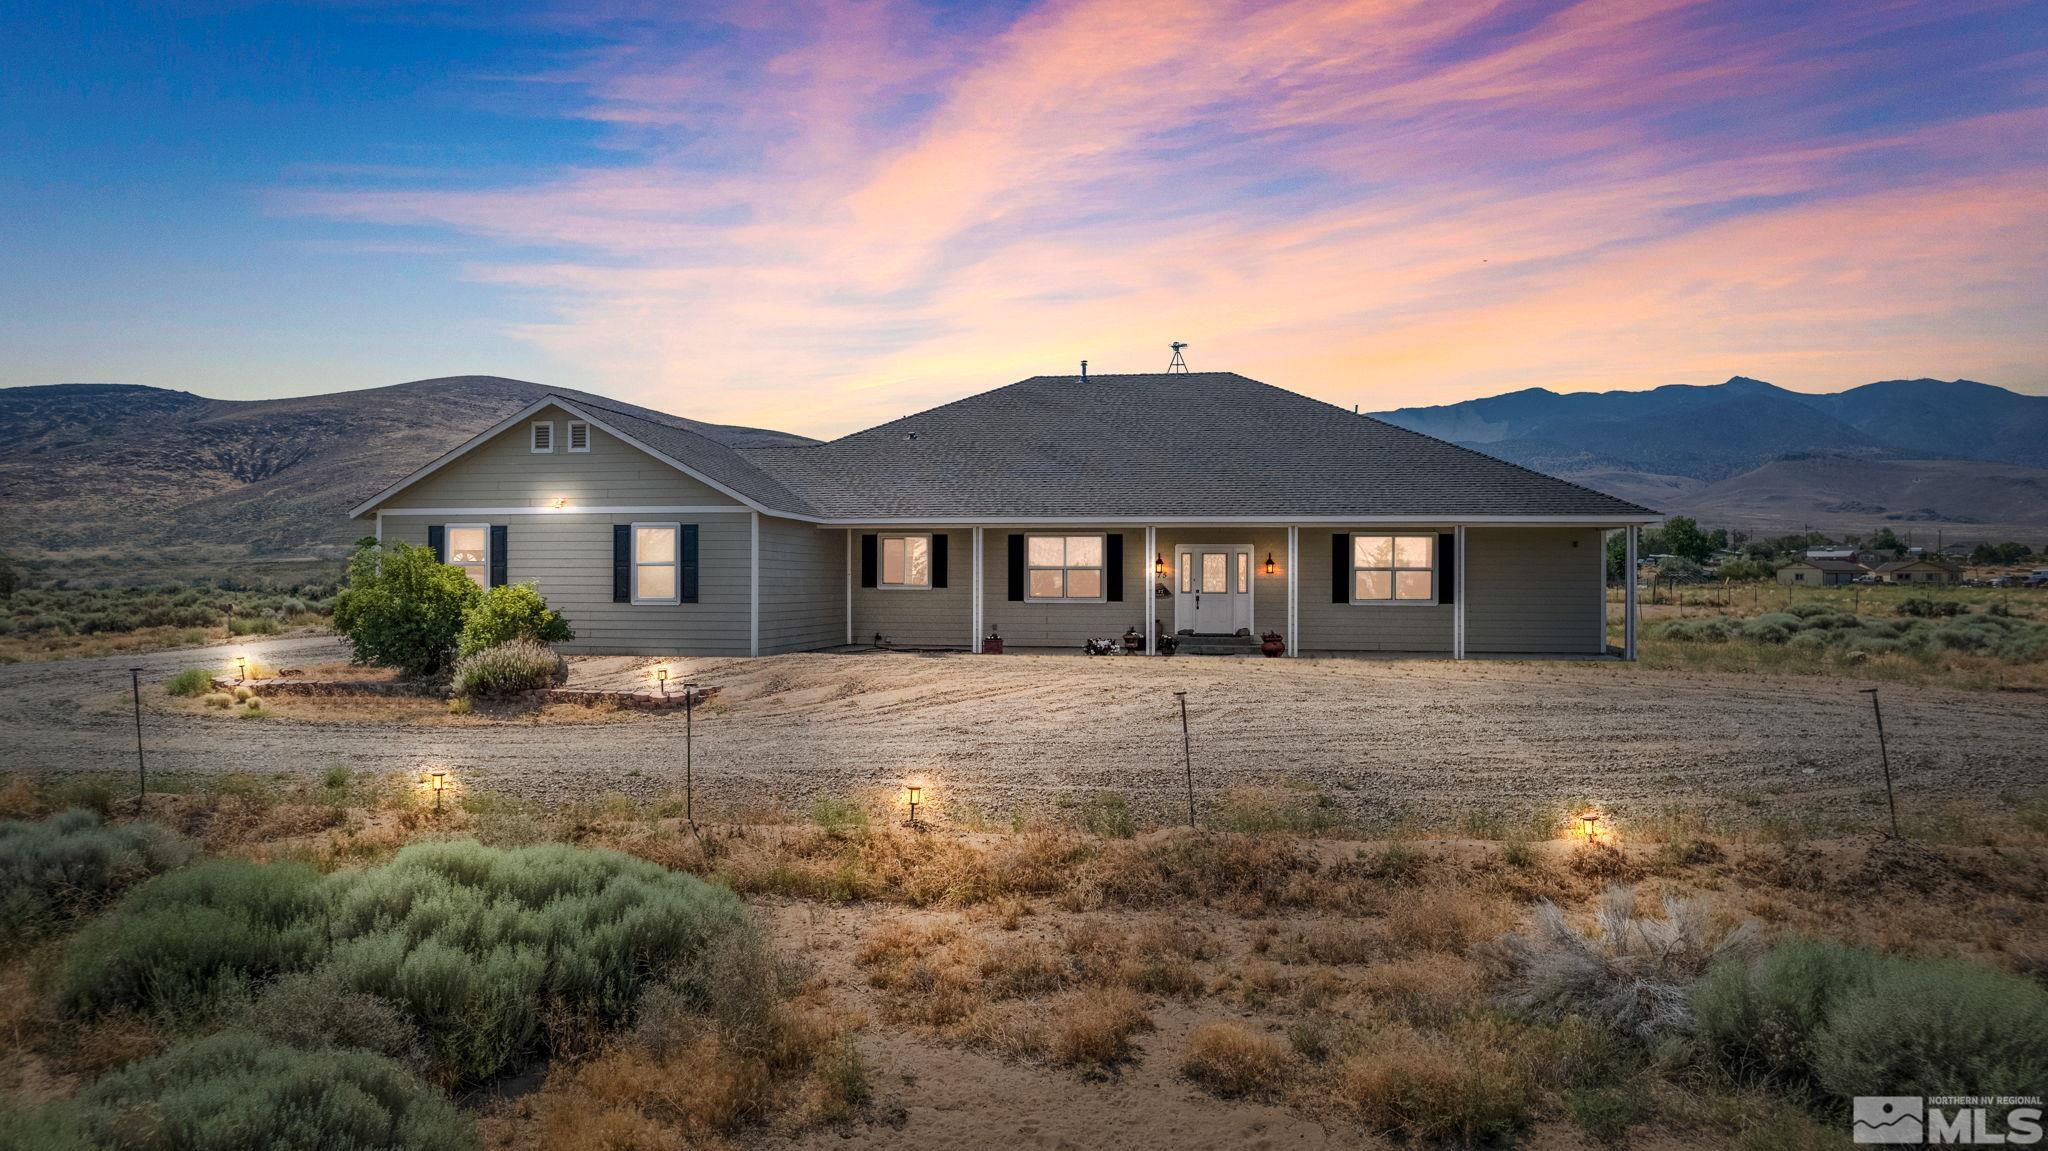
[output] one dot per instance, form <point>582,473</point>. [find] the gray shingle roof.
<point>692,443</point>
<point>1201,444</point>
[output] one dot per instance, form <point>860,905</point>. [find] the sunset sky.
<point>818,216</point>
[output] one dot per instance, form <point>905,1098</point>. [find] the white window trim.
<point>882,584</point>
<point>533,437</point>
<point>1435,564</point>
<point>675,561</point>
<point>448,545</point>
<point>569,436</point>
<point>1102,541</point>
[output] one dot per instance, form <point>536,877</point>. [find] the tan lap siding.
<point>803,586</point>
<point>504,472</point>
<point>1331,626</point>
<point>918,617</point>
<point>1533,590</point>
<point>1060,625</point>
<point>569,558</point>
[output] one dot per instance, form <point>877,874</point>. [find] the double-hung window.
<point>657,563</point>
<point>1393,569</point>
<point>906,561</point>
<point>1063,569</point>
<point>469,548</point>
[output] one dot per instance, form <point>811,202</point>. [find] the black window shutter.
<point>1340,568</point>
<point>938,559</point>
<point>688,574</point>
<point>622,563</point>
<point>870,559</point>
<point>498,549</point>
<point>1113,566</point>
<point>437,538</point>
<point>1017,567</point>
<point>1447,567</point>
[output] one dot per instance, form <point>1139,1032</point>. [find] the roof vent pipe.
<point>1084,371</point>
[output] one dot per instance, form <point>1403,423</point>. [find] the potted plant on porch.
<point>1273,645</point>
<point>992,644</point>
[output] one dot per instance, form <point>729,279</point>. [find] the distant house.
<point>1832,552</point>
<point>1819,573</point>
<point>1046,513</point>
<point>1915,571</point>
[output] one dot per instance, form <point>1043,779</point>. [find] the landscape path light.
<point>916,796</point>
<point>241,668</point>
<point>661,678</point>
<point>1589,825</point>
<point>440,779</point>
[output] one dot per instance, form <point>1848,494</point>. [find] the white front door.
<point>1212,588</point>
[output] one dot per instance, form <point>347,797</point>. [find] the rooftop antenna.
<point>1178,365</point>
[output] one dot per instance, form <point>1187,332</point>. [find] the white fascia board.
<point>1115,521</point>
<point>576,509</point>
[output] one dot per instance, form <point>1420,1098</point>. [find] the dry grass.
<point>1434,1086</point>
<point>1092,1028</point>
<point>1229,1061</point>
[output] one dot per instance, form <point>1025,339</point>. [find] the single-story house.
<point>1915,571</point>
<point>1047,512</point>
<point>1819,573</point>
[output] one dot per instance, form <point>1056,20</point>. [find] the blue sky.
<point>822,214</point>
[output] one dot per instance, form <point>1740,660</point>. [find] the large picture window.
<point>469,548</point>
<point>1393,569</point>
<point>1063,568</point>
<point>906,562</point>
<point>657,563</point>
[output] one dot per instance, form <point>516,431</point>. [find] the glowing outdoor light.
<point>561,501</point>
<point>440,779</point>
<point>916,796</point>
<point>1158,563</point>
<point>1269,563</point>
<point>661,678</point>
<point>241,667</point>
<point>1589,825</point>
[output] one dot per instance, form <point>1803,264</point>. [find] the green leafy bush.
<point>490,953</point>
<point>513,666</point>
<point>70,864</point>
<point>509,612</point>
<point>1840,1021</point>
<point>403,608</point>
<point>239,1092</point>
<point>193,681</point>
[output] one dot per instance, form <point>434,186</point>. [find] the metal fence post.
<point>1187,753</point>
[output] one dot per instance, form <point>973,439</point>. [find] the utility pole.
<point>1884,757</point>
<point>1187,754</point>
<point>141,772</point>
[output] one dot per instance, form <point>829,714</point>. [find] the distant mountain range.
<point>1961,458</point>
<point>94,473</point>
<point>96,476</point>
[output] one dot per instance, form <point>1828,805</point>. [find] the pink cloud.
<point>1378,203</point>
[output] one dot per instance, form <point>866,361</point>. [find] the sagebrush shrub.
<point>506,613</point>
<point>487,952</point>
<point>1841,1021</point>
<point>71,863</point>
<point>235,1091</point>
<point>513,666</point>
<point>1635,977</point>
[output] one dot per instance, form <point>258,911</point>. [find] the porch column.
<point>1293,590</point>
<point>1628,596</point>
<point>1151,600</point>
<point>849,587</point>
<point>974,598</point>
<point>754,589</point>
<point>1458,594</point>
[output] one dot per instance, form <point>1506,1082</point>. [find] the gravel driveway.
<point>1381,739</point>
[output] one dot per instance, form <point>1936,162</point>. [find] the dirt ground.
<point>1375,742</point>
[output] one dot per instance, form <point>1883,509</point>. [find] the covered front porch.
<point>1439,590</point>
